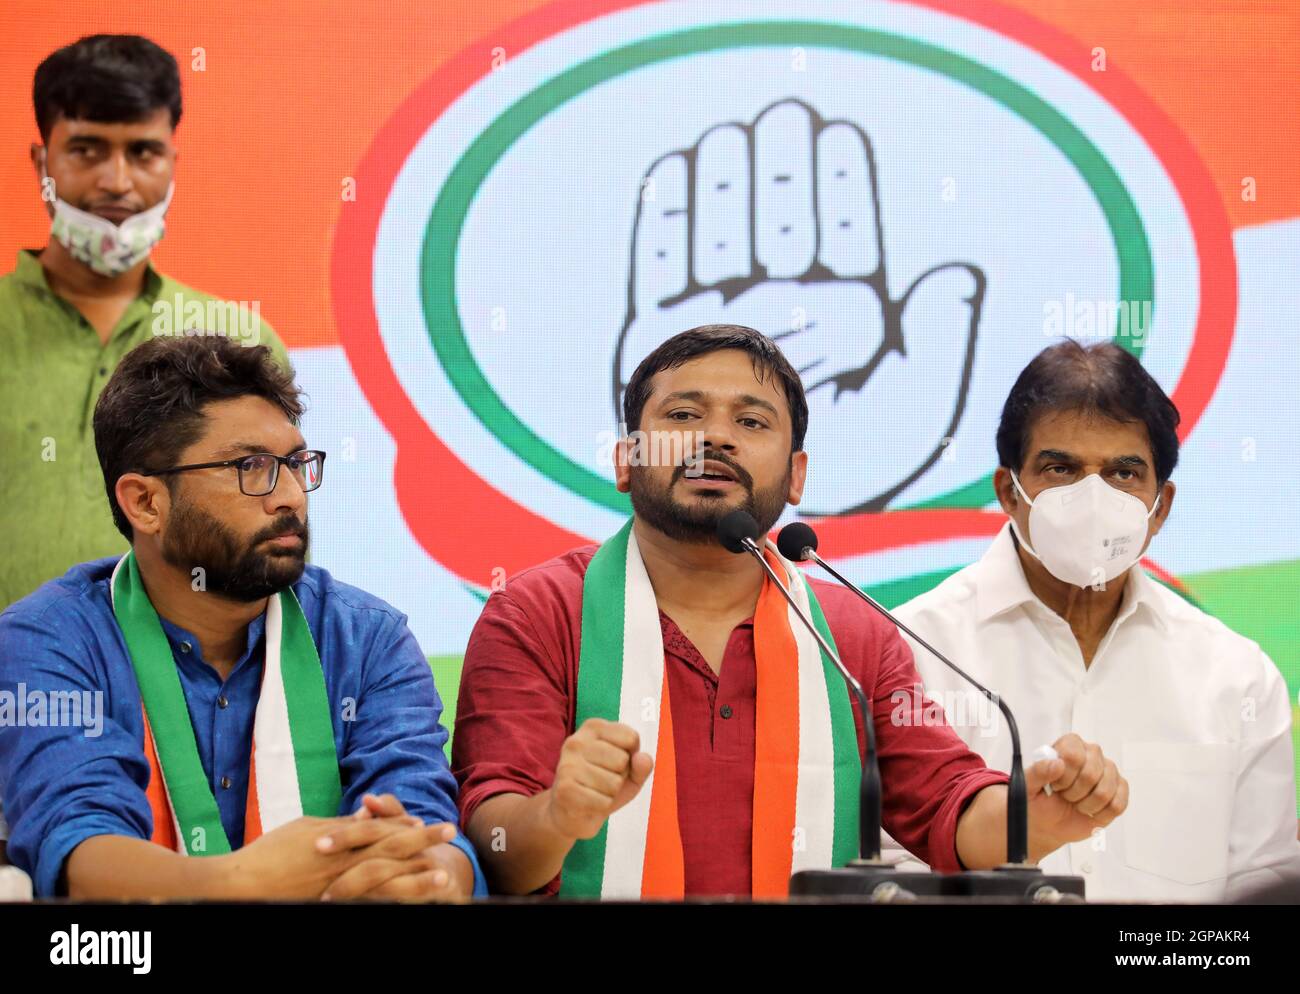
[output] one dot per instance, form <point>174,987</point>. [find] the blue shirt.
<point>72,761</point>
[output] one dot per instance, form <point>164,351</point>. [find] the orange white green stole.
<point>293,769</point>
<point>806,762</point>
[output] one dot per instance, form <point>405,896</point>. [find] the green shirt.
<point>53,507</point>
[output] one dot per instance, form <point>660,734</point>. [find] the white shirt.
<point>15,885</point>
<point>1197,718</point>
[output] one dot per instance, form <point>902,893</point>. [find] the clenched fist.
<point>1088,793</point>
<point>601,769</point>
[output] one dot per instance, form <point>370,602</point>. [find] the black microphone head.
<point>794,538</point>
<point>735,528</point>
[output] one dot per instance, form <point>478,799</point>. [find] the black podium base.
<point>884,884</point>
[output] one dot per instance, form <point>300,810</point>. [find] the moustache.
<point>293,527</point>
<point>742,477</point>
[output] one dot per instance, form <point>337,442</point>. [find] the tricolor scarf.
<point>293,768</point>
<point>806,762</point>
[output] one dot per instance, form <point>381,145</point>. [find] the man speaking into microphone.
<point>635,719</point>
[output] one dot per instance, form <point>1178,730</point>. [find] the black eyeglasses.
<point>259,473</point>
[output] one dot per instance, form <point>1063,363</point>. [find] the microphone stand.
<point>1016,878</point>
<point>868,875</point>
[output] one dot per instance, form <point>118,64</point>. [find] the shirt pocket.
<point>1180,808</point>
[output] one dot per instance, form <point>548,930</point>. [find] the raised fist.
<point>601,768</point>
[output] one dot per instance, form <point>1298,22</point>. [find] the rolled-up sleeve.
<point>69,768</point>
<point>396,741</point>
<point>514,711</point>
<point>929,774</point>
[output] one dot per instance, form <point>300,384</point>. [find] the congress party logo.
<point>912,198</point>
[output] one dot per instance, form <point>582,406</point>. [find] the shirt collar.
<point>1140,594</point>
<point>1000,579</point>
<point>1001,584</point>
<point>28,271</point>
<point>178,636</point>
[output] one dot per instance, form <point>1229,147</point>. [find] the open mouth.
<point>711,472</point>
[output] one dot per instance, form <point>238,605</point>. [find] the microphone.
<point>798,543</point>
<point>738,532</point>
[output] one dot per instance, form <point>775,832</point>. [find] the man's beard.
<point>197,541</point>
<point>698,522</point>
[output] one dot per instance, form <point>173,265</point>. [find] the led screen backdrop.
<point>470,221</point>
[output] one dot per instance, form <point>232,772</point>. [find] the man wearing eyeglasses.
<point>209,694</point>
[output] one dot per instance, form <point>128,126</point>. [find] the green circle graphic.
<point>450,210</point>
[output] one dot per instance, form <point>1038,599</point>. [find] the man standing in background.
<point>107,108</point>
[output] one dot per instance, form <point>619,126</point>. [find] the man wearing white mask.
<point>107,108</point>
<point>1058,619</point>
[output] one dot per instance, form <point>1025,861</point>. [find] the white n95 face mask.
<point>1086,533</point>
<point>107,248</point>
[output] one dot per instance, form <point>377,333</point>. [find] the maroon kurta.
<point>518,693</point>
